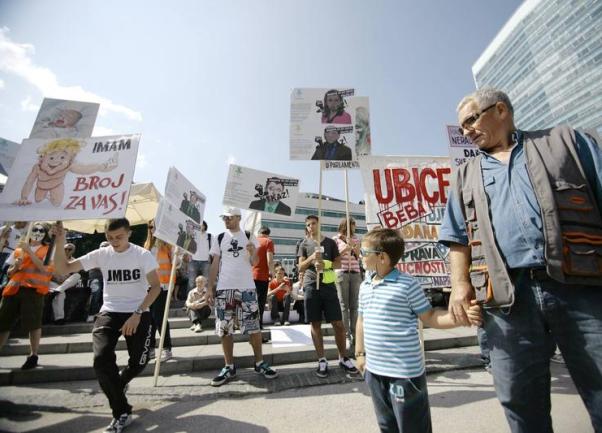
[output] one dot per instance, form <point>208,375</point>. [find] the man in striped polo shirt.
<point>387,343</point>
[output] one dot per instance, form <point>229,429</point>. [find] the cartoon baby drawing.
<point>56,159</point>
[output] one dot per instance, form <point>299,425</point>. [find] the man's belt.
<point>535,274</point>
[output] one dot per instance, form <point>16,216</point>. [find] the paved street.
<point>461,401</point>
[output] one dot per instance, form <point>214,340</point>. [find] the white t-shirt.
<point>235,268</point>
<point>202,251</point>
<point>124,275</point>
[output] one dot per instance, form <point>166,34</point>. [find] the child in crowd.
<point>197,305</point>
<point>388,348</point>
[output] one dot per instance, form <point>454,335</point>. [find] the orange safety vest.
<point>163,258</point>
<point>29,275</point>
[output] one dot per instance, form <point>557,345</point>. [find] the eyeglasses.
<point>38,230</point>
<point>366,251</point>
<point>471,120</point>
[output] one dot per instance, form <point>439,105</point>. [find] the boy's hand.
<point>474,313</point>
<point>130,325</point>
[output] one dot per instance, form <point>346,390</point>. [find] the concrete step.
<point>202,357</point>
<point>181,335</point>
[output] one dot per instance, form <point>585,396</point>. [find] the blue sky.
<point>208,82</point>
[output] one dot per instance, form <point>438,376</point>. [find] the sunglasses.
<point>38,230</point>
<point>366,251</point>
<point>227,218</point>
<point>471,120</point>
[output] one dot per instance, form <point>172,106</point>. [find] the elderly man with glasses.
<point>524,226</point>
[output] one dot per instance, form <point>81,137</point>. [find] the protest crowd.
<point>522,231</point>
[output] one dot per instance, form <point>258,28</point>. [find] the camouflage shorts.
<point>236,305</point>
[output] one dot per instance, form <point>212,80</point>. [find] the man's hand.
<point>474,313</point>
<point>130,325</point>
<point>459,302</point>
<point>59,230</point>
<point>360,363</point>
<point>209,297</point>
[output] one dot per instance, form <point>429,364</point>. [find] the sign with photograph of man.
<point>62,118</point>
<point>70,178</point>
<point>176,228</point>
<point>313,111</point>
<point>410,194</point>
<point>8,152</point>
<point>247,188</point>
<point>180,191</point>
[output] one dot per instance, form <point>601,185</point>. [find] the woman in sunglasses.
<point>23,295</point>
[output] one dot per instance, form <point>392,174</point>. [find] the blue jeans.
<point>400,405</point>
<point>523,337</point>
<point>196,268</point>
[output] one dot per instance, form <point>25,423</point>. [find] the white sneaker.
<point>166,355</point>
<point>193,327</point>
<point>119,424</point>
<point>90,319</point>
<point>287,323</point>
<point>198,328</point>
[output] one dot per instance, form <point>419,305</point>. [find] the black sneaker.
<point>30,362</point>
<point>119,424</point>
<point>348,366</point>
<point>266,370</point>
<point>322,370</point>
<point>224,376</point>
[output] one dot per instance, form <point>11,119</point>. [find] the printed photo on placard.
<point>69,178</point>
<point>180,191</point>
<point>8,152</point>
<point>63,118</point>
<point>176,228</point>
<point>312,111</point>
<point>262,191</point>
<point>461,148</point>
<point>409,194</point>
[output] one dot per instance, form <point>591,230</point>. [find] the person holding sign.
<point>524,226</point>
<point>331,148</point>
<point>334,109</point>
<point>128,270</point>
<point>234,294</point>
<point>23,296</point>
<point>318,258</point>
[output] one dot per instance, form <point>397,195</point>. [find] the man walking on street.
<point>524,227</point>
<point>318,258</point>
<point>128,270</point>
<point>234,294</point>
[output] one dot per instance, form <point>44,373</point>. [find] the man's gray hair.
<point>486,96</point>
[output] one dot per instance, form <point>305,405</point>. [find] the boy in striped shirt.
<point>388,350</point>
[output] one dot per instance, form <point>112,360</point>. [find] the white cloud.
<point>231,159</point>
<point>101,131</point>
<point>27,105</point>
<point>17,59</point>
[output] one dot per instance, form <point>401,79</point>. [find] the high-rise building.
<point>548,59</point>
<point>286,232</point>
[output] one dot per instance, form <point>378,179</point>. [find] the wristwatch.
<point>360,354</point>
<point>139,311</point>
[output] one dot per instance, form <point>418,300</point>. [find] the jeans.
<point>196,268</point>
<point>157,310</point>
<point>105,334</point>
<point>523,337</point>
<point>484,346</point>
<point>348,289</point>
<point>401,405</point>
<point>262,297</point>
<point>276,306</point>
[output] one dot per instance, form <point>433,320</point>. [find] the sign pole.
<point>172,280</point>
<point>319,223</point>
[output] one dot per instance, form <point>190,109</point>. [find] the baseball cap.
<point>230,211</point>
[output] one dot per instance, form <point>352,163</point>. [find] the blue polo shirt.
<point>514,211</point>
<point>390,312</point>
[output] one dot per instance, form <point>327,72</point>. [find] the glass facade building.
<point>548,59</point>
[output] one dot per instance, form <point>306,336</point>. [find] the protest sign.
<point>62,118</point>
<point>176,228</point>
<point>409,194</point>
<point>8,151</point>
<point>262,191</point>
<point>69,178</point>
<point>321,126</point>
<point>180,191</point>
<point>461,149</point>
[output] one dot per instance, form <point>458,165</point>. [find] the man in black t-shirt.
<point>320,260</point>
